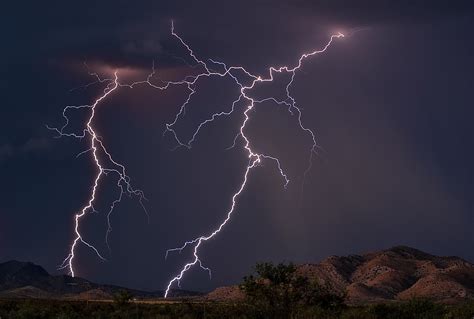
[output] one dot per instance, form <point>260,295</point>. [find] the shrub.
<point>279,292</point>
<point>122,298</point>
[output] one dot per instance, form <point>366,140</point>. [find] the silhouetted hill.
<point>27,280</point>
<point>15,274</point>
<point>397,273</point>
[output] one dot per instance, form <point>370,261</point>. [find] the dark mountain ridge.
<point>26,279</point>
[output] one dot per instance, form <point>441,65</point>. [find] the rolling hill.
<point>398,273</point>
<point>27,280</point>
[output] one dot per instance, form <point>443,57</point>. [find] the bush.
<point>122,298</point>
<point>279,292</point>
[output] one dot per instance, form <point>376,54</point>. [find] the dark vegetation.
<point>37,308</point>
<point>279,292</point>
<point>123,298</point>
<point>271,292</point>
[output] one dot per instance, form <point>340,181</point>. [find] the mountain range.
<point>27,280</point>
<point>398,273</point>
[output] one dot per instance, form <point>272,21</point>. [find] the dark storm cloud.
<point>6,151</point>
<point>147,47</point>
<point>380,12</point>
<point>32,145</point>
<point>90,30</point>
<point>126,33</point>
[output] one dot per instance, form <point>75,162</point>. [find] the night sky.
<point>391,105</point>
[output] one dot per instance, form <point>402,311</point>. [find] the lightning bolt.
<point>104,167</point>
<point>254,157</point>
<point>207,70</point>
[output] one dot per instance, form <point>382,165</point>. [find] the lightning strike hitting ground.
<point>254,158</point>
<point>103,168</point>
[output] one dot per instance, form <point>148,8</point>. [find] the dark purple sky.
<point>391,106</point>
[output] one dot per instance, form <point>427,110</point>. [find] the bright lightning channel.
<point>97,147</point>
<point>254,157</point>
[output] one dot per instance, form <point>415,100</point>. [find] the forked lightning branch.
<point>207,68</point>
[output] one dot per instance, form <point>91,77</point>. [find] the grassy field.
<point>61,309</point>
